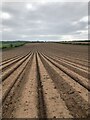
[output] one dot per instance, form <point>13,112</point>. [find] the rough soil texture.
<point>45,80</point>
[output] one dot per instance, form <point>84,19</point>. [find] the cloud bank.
<point>48,21</point>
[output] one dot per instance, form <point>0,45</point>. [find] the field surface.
<point>45,80</point>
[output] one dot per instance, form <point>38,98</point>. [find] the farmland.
<point>45,80</point>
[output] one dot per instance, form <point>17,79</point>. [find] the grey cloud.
<point>46,19</point>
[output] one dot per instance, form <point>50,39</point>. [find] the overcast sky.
<point>46,21</point>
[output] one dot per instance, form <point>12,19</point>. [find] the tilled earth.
<point>45,80</point>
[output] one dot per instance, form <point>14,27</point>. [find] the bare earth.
<point>45,80</point>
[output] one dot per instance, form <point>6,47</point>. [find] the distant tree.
<point>11,45</point>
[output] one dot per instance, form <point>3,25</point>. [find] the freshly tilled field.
<point>45,80</point>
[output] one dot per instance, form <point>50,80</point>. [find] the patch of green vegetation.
<point>13,44</point>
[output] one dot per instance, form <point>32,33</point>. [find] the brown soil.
<point>45,80</point>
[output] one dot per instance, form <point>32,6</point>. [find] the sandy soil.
<point>45,80</point>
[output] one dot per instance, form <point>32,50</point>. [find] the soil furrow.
<point>79,88</point>
<point>41,102</point>
<point>8,64</point>
<point>72,99</point>
<point>22,99</point>
<point>11,80</point>
<point>81,80</point>
<point>8,60</point>
<point>79,61</point>
<point>55,106</point>
<point>7,73</point>
<point>45,81</point>
<point>70,61</point>
<point>74,68</point>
